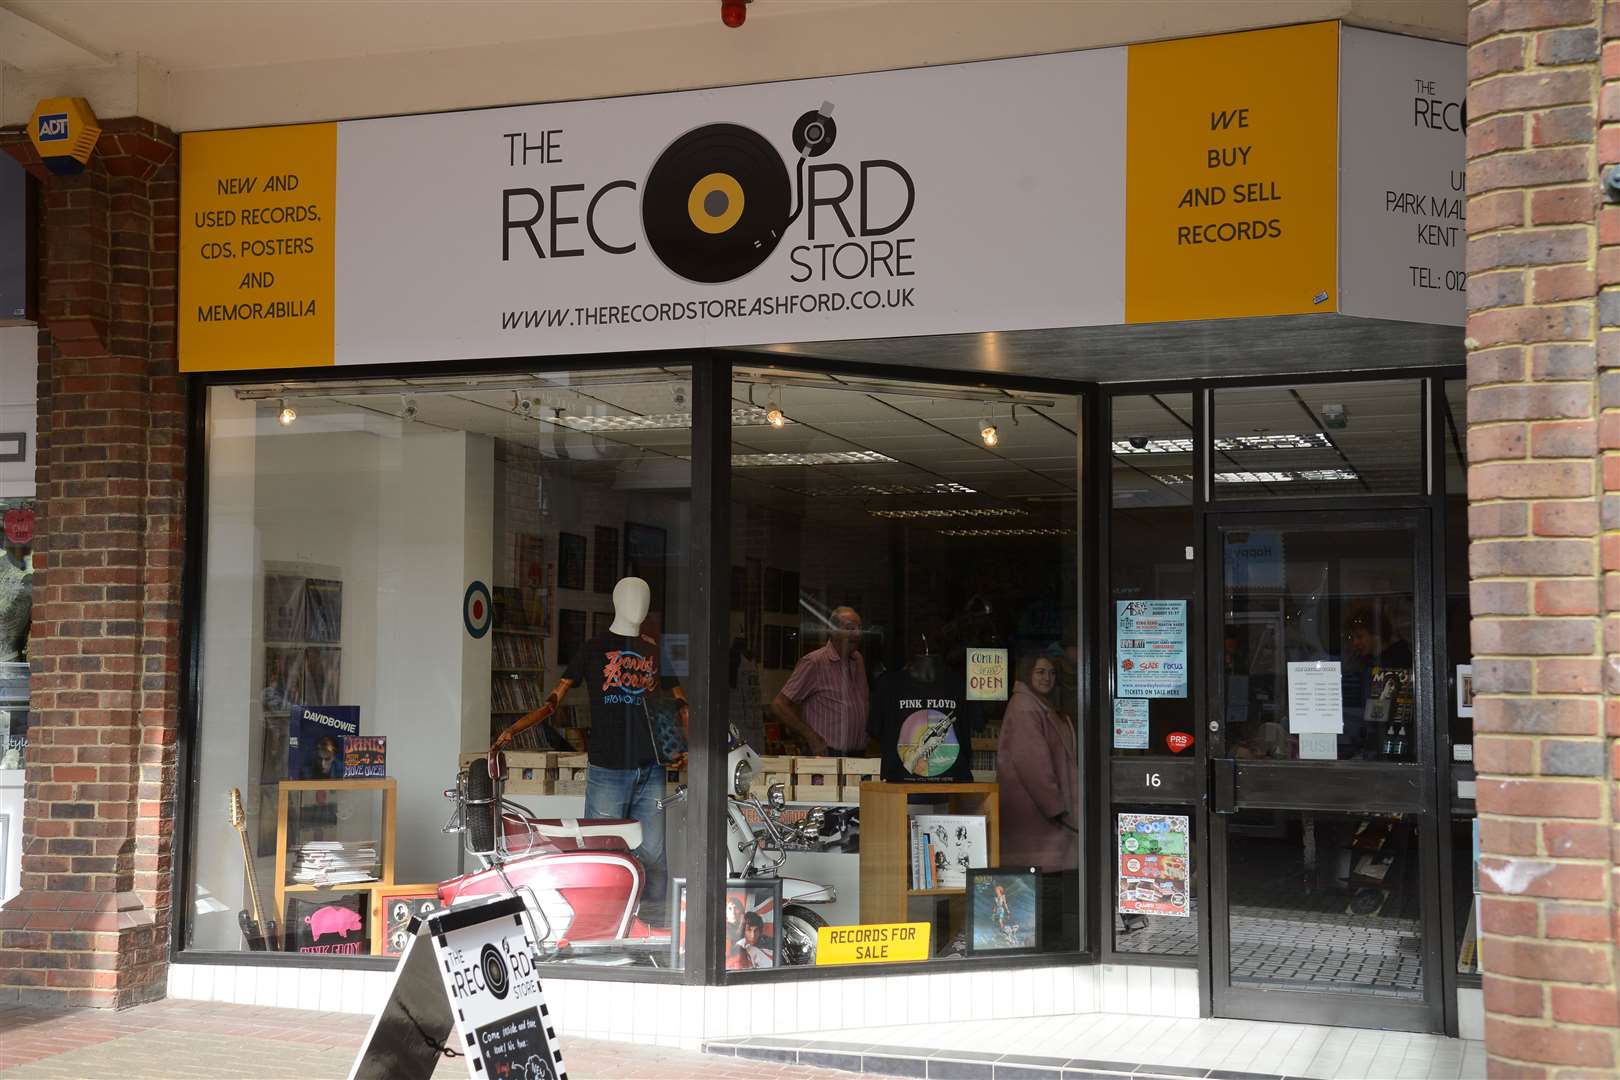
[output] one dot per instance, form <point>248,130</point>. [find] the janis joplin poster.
<point>1153,864</point>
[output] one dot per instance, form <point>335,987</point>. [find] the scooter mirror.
<point>778,796</point>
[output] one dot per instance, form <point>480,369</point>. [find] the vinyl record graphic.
<point>716,203</point>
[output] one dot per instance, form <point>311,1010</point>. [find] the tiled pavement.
<point>225,1042</point>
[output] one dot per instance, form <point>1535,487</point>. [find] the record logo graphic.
<point>493,966</point>
<point>716,203</point>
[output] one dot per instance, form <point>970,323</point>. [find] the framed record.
<point>716,203</point>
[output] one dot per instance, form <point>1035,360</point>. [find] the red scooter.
<point>581,885</point>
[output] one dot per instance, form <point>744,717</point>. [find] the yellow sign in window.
<point>1231,175</point>
<point>877,943</point>
<point>258,213</point>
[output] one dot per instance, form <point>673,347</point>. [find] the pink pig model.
<point>332,920</point>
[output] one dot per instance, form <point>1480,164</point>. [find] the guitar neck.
<point>252,876</point>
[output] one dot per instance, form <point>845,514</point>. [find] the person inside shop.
<point>624,779</point>
<point>923,725</point>
<point>1038,770</point>
<point>1372,638</point>
<point>825,700</point>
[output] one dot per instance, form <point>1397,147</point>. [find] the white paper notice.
<point>1315,697</point>
<point>1318,746</point>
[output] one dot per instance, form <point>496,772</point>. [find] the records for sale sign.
<point>468,978</point>
<point>1153,864</point>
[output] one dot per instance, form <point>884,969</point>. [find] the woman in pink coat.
<point>1037,768</point>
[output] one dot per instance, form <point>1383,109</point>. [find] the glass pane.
<point>1318,653</point>
<point>398,572</point>
<point>1151,917</point>
<point>1150,554</point>
<point>1325,902</point>
<point>904,615</point>
<point>16,606</point>
<point>1315,440</point>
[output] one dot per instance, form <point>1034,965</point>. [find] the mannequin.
<point>619,670</point>
<point>631,599</point>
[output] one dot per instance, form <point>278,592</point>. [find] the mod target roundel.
<point>716,203</point>
<point>475,609</point>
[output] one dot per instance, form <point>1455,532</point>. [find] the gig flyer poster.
<point>1153,864</point>
<point>1150,648</point>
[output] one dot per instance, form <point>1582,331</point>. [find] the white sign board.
<point>1315,697</point>
<point>908,223</point>
<point>486,1003</point>
<point>1403,196</point>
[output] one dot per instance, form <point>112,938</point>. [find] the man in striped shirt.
<point>825,699</point>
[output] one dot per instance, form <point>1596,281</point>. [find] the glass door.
<point>1324,857</point>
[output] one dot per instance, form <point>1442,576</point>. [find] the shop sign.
<point>1150,648</point>
<point>1165,181</point>
<point>1401,157</point>
<point>1230,209</point>
<point>873,943</point>
<point>987,675</point>
<point>1153,864</point>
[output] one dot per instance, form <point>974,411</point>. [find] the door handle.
<point>1223,785</point>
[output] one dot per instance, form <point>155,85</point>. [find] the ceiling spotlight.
<point>988,432</point>
<point>287,415</point>
<point>773,410</point>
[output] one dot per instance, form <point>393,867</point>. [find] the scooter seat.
<point>572,833</point>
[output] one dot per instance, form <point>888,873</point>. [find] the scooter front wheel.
<point>799,926</point>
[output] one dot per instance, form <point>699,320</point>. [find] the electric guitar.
<point>259,932</point>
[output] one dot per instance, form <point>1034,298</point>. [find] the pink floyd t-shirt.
<point>925,727</point>
<point>619,673</point>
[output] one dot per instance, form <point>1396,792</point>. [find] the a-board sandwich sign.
<point>468,981</point>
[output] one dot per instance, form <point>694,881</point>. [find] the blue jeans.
<point>634,793</point>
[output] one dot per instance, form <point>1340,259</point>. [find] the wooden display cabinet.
<point>886,841</point>
<point>387,787</point>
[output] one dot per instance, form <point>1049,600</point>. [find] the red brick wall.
<point>91,925</point>
<point>1544,428</point>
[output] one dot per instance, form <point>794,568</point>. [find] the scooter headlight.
<point>742,779</point>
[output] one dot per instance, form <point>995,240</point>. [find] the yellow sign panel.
<point>257,231</point>
<point>878,943</point>
<point>1231,169</point>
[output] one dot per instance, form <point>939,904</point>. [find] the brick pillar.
<point>91,925</point>
<point>1544,378</point>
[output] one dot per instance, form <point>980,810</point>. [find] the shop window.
<point>904,646</point>
<point>1317,440</point>
<point>1150,559</point>
<point>398,572</point>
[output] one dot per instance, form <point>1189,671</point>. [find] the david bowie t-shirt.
<point>925,727</point>
<point>618,673</point>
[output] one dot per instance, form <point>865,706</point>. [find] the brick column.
<point>1544,378</point>
<point>91,925</point>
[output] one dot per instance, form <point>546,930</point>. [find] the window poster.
<point>1150,649</point>
<point>1130,723</point>
<point>1153,864</point>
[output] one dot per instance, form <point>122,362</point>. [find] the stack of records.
<point>334,862</point>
